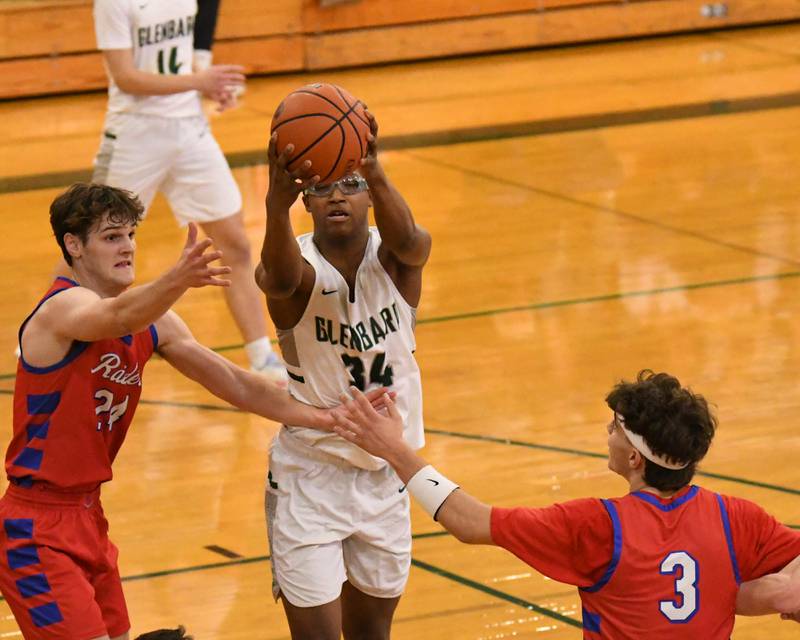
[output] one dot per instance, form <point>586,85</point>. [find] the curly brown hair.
<point>81,207</point>
<point>674,421</point>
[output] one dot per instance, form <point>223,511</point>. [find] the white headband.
<point>642,447</point>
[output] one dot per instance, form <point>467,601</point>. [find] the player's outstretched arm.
<point>381,434</point>
<point>282,270</point>
<point>773,593</point>
<point>216,82</point>
<point>408,242</point>
<point>81,314</point>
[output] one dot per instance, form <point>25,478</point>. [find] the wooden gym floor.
<point>595,210</point>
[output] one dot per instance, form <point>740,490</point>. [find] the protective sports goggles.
<point>348,186</point>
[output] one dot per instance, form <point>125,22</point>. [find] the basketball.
<point>327,126</point>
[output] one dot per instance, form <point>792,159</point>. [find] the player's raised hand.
<point>284,184</point>
<point>219,78</point>
<point>370,161</point>
<point>193,267</point>
<point>358,421</point>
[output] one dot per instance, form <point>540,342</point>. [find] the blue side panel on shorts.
<point>591,621</point>
<point>18,528</point>
<point>46,614</point>
<point>29,458</point>
<point>44,403</point>
<point>22,557</point>
<point>33,585</point>
<point>38,430</point>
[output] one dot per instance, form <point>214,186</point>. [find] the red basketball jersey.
<point>71,418</point>
<point>666,558</point>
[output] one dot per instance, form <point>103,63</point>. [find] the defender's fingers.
<point>191,236</point>
<point>391,407</point>
<point>344,433</point>
<point>205,258</point>
<point>200,248</point>
<point>219,271</point>
<point>345,422</point>
<point>362,403</point>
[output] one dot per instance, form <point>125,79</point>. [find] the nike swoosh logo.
<point>435,482</point>
<point>325,292</point>
<point>403,488</point>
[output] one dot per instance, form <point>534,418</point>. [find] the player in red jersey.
<point>664,561</point>
<point>79,377</point>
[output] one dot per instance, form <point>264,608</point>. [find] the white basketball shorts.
<point>177,156</point>
<point>329,521</point>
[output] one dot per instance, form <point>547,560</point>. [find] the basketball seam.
<point>325,98</point>
<point>353,106</point>
<point>361,151</point>
<point>337,123</point>
<point>300,117</point>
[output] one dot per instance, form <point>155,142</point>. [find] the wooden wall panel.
<point>60,74</point>
<point>45,28</point>
<point>263,55</point>
<point>372,13</point>
<point>249,18</point>
<point>531,29</point>
<point>47,46</point>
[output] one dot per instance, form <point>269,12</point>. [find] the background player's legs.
<point>243,296</point>
<point>314,623</point>
<point>365,617</point>
<point>201,188</point>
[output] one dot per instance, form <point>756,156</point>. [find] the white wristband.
<point>430,488</point>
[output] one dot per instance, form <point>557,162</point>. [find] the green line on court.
<point>494,592</point>
<point>485,438</point>
<point>563,124</point>
<point>569,302</point>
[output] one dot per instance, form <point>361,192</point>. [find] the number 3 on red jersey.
<point>682,564</point>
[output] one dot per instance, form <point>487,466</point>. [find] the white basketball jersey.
<point>160,34</point>
<point>363,337</point>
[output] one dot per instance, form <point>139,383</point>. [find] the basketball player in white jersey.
<point>156,138</point>
<point>343,300</point>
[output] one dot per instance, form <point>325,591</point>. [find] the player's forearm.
<point>462,515</point>
<point>395,221</point>
<point>774,593</point>
<point>764,595</point>
<point>281,259</point>
<point>142,83</point>
<point>251,392</point>
<point>135,309</point>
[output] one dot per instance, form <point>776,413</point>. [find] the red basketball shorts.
<point>58,569</point>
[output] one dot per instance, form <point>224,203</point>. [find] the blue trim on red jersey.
<point>76,348</point>
<point>37,430</point>
<point>34,585</point>
<point>154,335</point>
<point>591,621</point>
<point>652,499</point>
<point>726,524</point>
<point>23,557</point>
<point>70,280</point>
<point>39,404</point>
<point>18,528</point>
<point>46,614</point>
<point>127,339</point>
<point>29,458</point>
<point>615,556</point>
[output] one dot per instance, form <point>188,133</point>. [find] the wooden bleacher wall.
<point>48,46</point>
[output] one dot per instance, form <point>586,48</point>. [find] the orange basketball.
<point>327,126</point>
